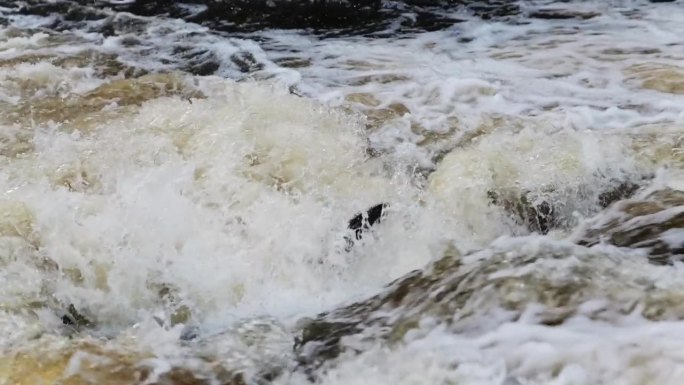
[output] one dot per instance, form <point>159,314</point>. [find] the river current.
<point>175,197</point>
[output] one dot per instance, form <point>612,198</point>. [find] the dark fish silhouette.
<point>75,319</point>
<point>362,222</point>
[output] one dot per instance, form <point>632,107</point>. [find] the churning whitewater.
<point>450,193</point>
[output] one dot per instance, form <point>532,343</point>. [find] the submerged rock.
<point>176,309</point>
<point>537,215</point>
<point>75,318</point>
<point>553,280</point>
<point>546,282</point>
<point>653,222</point>
<point>346,16</point>
<point>622,190</point>
<point>540,212</point>
<point>561,14</point>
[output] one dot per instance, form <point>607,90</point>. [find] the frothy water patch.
<point>518,353</point>
<point>523,310</point>
<point>172,212</point>
<point>164,225</point>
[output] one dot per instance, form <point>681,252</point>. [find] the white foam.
<point>560,71</point>
<point>595,345</point>
<point>240,200</point>
<point>237,200</point>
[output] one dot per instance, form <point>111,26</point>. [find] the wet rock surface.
<point>541,213</point>
<point>109,99</point>
<point>651,223</point>
<point>321,338</point>
<point>457,291</point>
<point>561,14</point>
<point>537,215</point>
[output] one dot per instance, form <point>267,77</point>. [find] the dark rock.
<point>197,61</point>
<point>257,14</point>
<point>622,191</point>
<point>386,316</point>
<point>294,62</point>
<point>122,25</point>
<point>246,62</point>
<point>428,21</point>
<point>203,68</point>
<point>540,212</point>
<point>649,222</point>
<point>71,14</point>
<point>76,13</point>
<point>75,319</point>
<point>537,215</point>
<point>492,9</point>
<point>562,14</point>
<point>189,333</point>
<point>459,293</point>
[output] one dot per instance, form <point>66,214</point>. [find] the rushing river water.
<point>176,193</point>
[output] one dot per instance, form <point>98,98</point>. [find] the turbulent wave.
<point>179,188</point>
